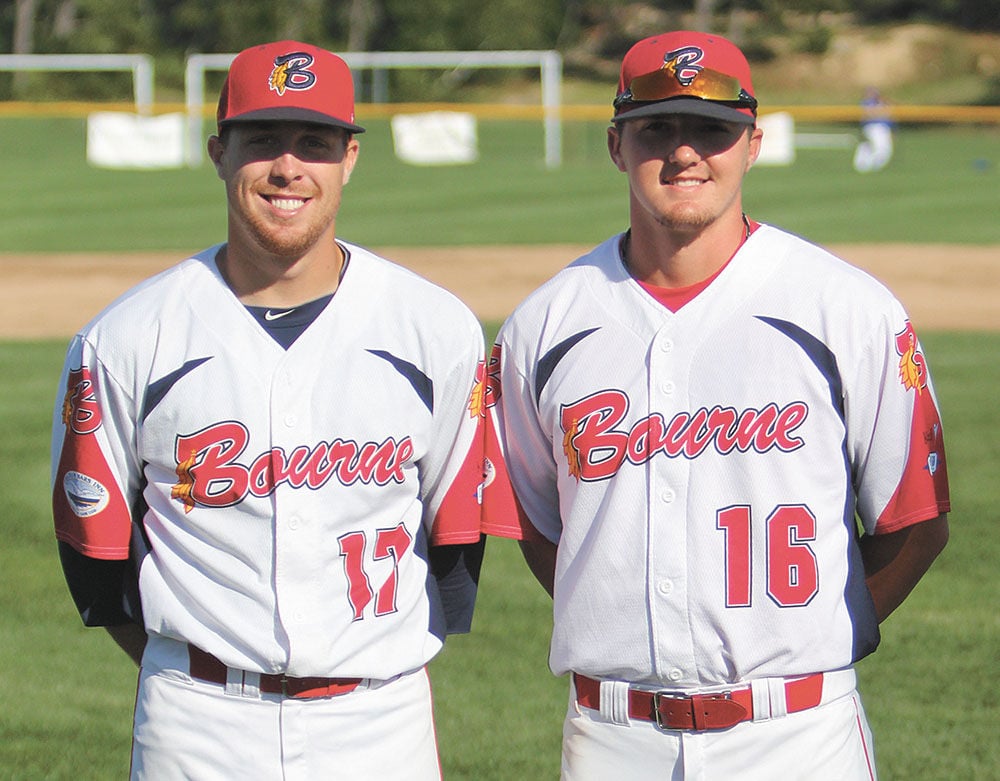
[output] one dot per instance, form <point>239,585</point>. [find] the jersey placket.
<point>294,549</point>
<point>667,579</point>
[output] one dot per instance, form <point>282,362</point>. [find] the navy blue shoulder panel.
<point>422,384</point>
<point>818,353</point>
<point>550,360</point>
<point>159,389</point>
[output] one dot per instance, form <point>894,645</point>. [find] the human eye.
<point>655,126</point>
<point>261,139</point>
<point>720,128</point>
<point>316,142</point>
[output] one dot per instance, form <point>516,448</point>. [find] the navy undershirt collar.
<point>286,324</point>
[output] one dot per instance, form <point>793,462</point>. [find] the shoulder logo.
<point>80,411</point>
<point>291,71</point>
<point>912,367</point>
<point>86,495</point>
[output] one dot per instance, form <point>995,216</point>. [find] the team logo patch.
<point>684,63</point>
<point>80,411</point>
<point>291,72</point>
<point>86,495</point>
<point>912,366</point>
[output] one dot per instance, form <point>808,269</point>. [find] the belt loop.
<point>234,682</point>
<point>614,702</point>
<point>779,703</point>
<point>760,693</point>
<point>251,685</point>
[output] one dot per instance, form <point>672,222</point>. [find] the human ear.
<point>614,147</point>
<point>756,136</point>
<point>216,148</point>
<point>351,151</point>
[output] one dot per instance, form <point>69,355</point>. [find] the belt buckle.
<point>284,686</point>
<point>665,695</point>
<point>689,699</point>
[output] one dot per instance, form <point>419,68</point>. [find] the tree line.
<point>171,29</point>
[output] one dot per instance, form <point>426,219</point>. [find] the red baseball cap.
<point>288,81</point>
<point>686,72</point>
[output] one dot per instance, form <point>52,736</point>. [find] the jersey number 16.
<point>792,571</point>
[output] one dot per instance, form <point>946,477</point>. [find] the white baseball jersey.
<point>701,470</point>
<point>279,502</point>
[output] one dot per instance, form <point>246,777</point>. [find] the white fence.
<point>140,65</point>
<point>549,64</point>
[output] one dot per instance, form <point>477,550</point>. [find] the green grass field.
<point>930,693</point>
<point>942,186</point>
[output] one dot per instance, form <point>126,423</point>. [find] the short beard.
<point>292,247</point>
<point>686,222</point>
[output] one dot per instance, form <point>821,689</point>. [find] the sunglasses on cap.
<point>708,84</point>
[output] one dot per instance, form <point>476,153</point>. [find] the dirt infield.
<point>51,296</point>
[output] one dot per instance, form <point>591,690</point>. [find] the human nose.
<point>683,152</point>
<point>286,166</point>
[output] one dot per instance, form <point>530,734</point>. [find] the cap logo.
<point>684,63</point>
<point>291,71</point>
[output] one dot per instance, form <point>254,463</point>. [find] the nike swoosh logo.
<point>269,315</point>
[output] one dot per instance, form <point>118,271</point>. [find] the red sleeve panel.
<point>89,510</point>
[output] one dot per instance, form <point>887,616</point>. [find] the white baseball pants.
<point>189,729</point>
<point>830,742</point>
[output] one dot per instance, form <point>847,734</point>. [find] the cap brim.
<point>696,106</point>
<point>292,114</point>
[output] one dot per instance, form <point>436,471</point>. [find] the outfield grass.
<point>943,186</point>
<point>929,690</point>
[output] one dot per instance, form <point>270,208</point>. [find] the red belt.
<point>717,710</point>
<point>206,667</point>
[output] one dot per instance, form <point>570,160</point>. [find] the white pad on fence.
<point>435,138</point>
<point>117,139</point>
<point>777,147</point>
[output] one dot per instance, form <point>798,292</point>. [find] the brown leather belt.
<point>206,667</point>
<point>697,712</point>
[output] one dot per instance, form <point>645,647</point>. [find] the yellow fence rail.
<point>504,111</point>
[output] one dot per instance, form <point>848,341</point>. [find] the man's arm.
<point>540,554</point>
<point>456,569</point>
<point>131,638</point>
<point>106,594</point>
<point>895,562</point>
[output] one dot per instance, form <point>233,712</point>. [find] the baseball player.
<point>726,448</point>
<point>255,455</point>
<point>874,150</point>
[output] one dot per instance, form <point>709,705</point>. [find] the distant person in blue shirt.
<point>874,151</point>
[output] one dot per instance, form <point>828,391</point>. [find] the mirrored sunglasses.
<point>708,85</point>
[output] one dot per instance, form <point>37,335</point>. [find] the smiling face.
<point>685,172</point>
<point>284,182</point>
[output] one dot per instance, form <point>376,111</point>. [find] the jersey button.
<point>667,345</point>
<point>665,587</point>
<point>293,522</point>
<point>668,387</point>
<point>668,495</point>
<point>675,675</point>
<point>291,420</point>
